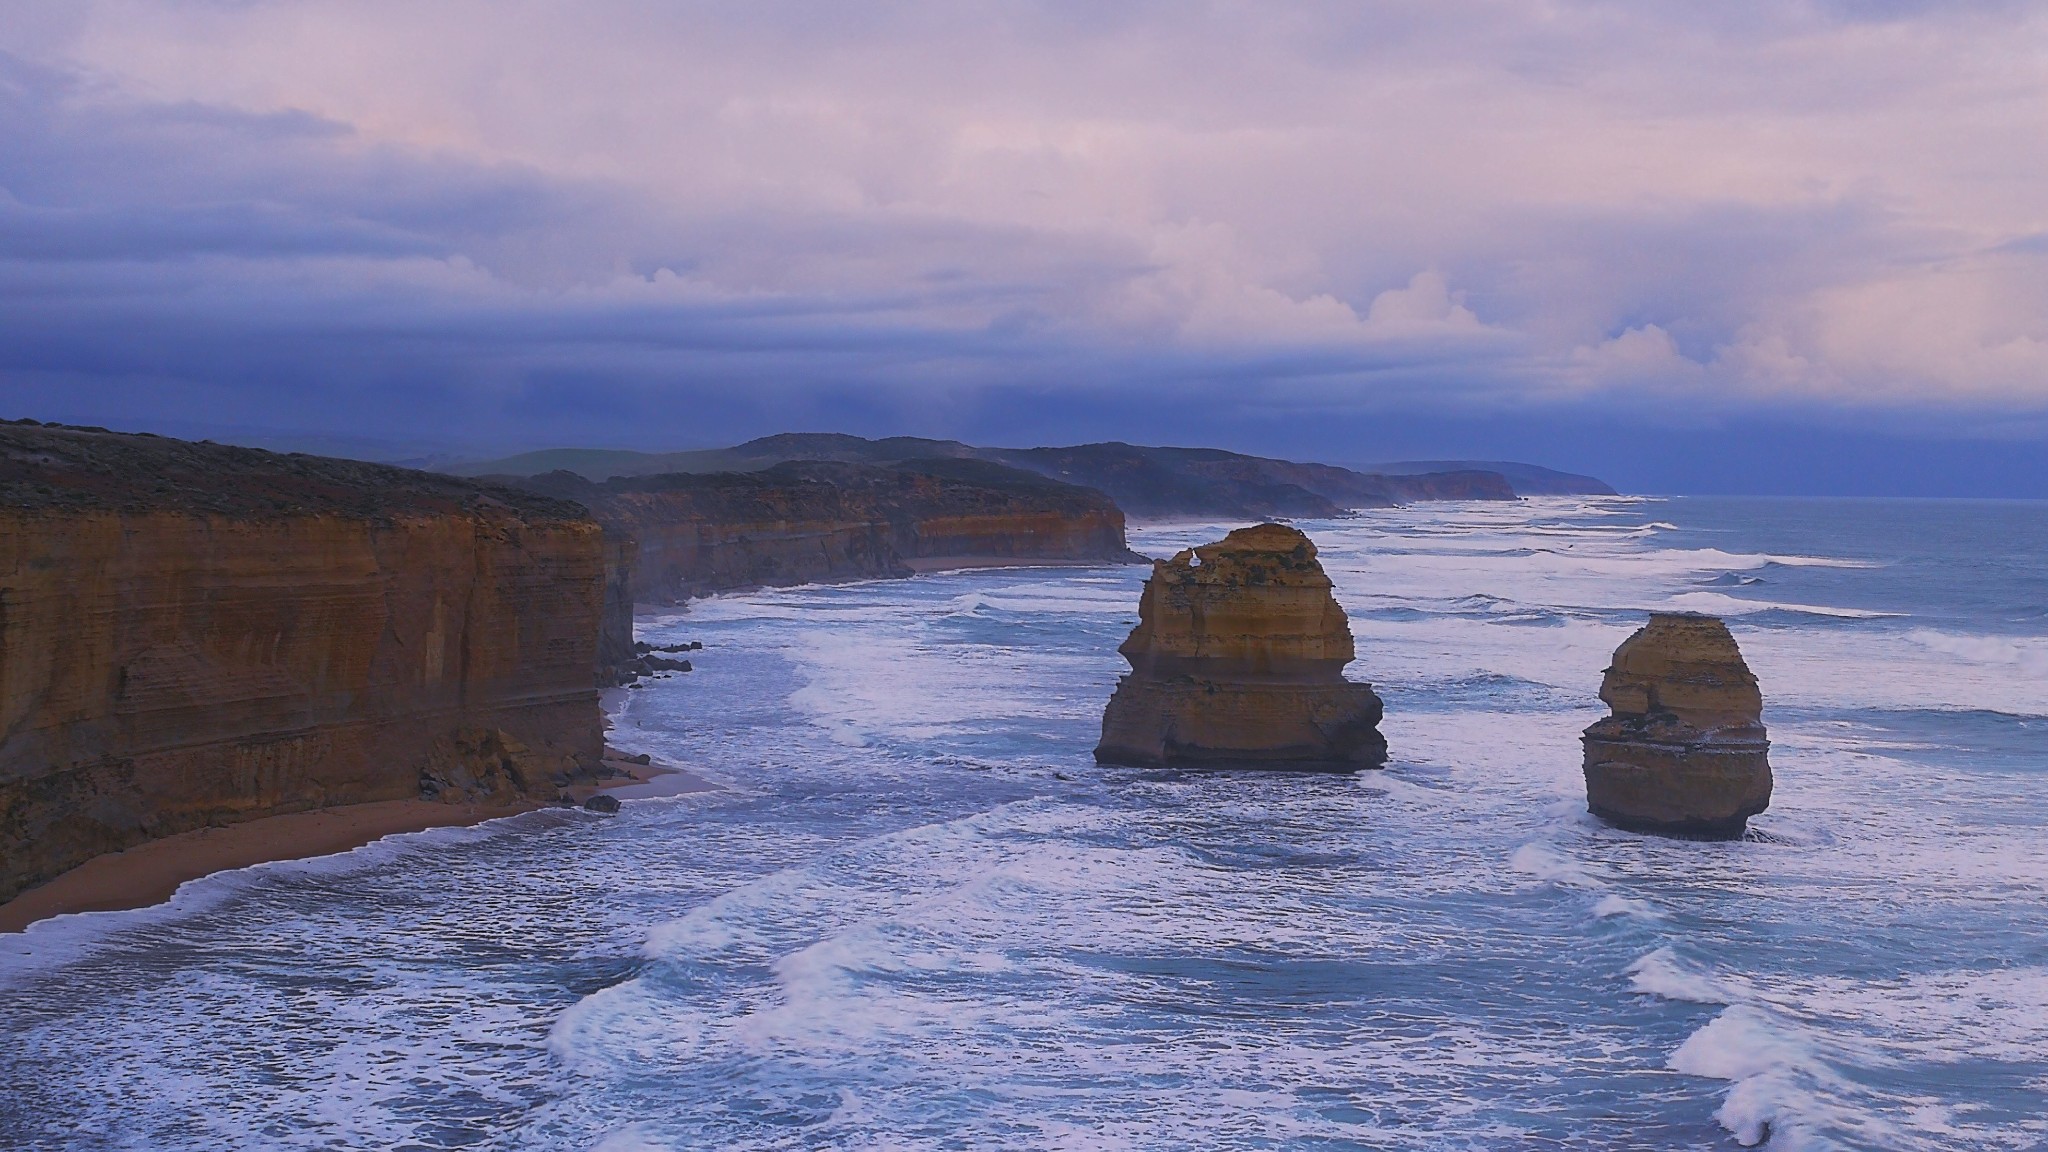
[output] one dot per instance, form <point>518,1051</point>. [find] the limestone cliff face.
<point>196,634</point>
<point>1685,752</point>
<point>1082,535</point>
<point>816,522</point>
<point>615,652</point>
<point>1238,657</point>
<point>692,542</point>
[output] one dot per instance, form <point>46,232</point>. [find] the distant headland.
<point>199,635</point>
<point>1147,483</point>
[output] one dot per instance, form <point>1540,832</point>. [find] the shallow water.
<point>918,916</point>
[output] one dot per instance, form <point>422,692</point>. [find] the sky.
<point>1771,246</point>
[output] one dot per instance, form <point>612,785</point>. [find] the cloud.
<point>325,211</point>
<point>1964,333</point>
<point>1425,306</point>
<point>1642,358</point>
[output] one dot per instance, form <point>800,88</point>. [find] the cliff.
<point>1143,481</point>
<point>194,634</point>
<point>808,522</point>
<point>1238,658</point>
<point>1684,752</point>
<point>616,655</point>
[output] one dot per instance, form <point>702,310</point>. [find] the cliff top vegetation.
<point>62,468</point>
<point>814,488</point>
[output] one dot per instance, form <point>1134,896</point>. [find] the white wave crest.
<point>1662,973</point>
<point>1774,1075</point>
<point>2025,654</point>
<point>73,936</point>
<point>1545,862</point>
<point>1722,604</point>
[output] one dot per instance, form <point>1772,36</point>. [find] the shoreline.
<point>151,872</point>
<point>927,565</point>
<point>913,567</point>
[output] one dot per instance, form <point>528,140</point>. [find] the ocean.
<point>916,915</point>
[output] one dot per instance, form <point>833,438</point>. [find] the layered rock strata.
<point>193,634</point>
<point>1238,658</point>
<point>1685,752</point>
<point>616,650</point>
<point>815,522</point>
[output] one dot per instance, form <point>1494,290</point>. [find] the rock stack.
<point>1685,752</point>
<point>1238,658</point>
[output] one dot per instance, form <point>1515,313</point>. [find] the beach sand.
<point>150,872</point>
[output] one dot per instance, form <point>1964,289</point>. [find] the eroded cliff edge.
<point>820,521</point>
<point>1238,658</point>
<point>196,634</point>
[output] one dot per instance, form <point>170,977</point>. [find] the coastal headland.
<point>1147,483</point>
<point>800,522</point>
<point>230,655</point>
<point>212,656</point>
<point>196,635</point>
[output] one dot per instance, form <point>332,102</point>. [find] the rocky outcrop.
<point>1238,658</point>
<point>193,634</point>
<point>648,660</point>
<point>1685,752</point>
<point>815,522</point>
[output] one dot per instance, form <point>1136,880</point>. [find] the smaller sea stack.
<point>1685,753</point>
<point>1238,659</point>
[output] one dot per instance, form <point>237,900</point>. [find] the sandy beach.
<point>150,873</point>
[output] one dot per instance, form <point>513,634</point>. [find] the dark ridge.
<point>856,449</point>
<point>1158,482</point>
<point>1150,482</point>
<point>813,488</point>
<point>55,467</point>
<point>1169,482</point>
<point>809,521</point>
<point>1528,479</point>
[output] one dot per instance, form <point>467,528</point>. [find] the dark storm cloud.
<point>269,254</point>
<point>688,223</point>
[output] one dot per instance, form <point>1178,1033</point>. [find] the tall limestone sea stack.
<point>1685,752</point>
<point>1238,659</point>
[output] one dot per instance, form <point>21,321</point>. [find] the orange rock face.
<point>1685,752</point>
<point>266,634</point>
<point>1238,657</point>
